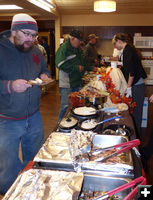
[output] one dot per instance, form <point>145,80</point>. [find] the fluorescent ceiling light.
<point>104,6</point>
<point>44,4</point>
<point>9,7</point>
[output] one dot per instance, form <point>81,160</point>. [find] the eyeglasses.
<point>27,34</point>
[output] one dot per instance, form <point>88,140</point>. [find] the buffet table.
<point>93,179</point>
<point>67,166</point>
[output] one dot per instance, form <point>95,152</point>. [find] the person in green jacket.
<point>90,51</point>
<point>71,65</point>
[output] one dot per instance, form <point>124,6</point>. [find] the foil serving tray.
<point>37,184</point>
<point>56,148</point>
<point>124,169</point>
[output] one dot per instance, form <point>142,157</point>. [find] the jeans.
<point>28,132</point>
<point>64,92</point>
<point>138,93</point>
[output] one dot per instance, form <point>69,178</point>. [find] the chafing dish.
<point>95,101</point>
<point>124,169</point>
<point>102,183</point>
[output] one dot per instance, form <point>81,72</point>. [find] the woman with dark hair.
<point>134,74</point>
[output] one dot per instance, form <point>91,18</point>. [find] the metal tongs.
<point>138,181</point>
<point>126,146</point>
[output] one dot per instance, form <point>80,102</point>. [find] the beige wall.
<point>105,48</point>
<point>107,20</point>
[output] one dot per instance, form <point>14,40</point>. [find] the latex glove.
<point>129,92</point>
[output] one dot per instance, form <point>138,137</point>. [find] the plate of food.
<point>39,81</point>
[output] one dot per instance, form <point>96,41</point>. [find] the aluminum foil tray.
<point>124,169</point>
<point>45,160</point>
<point>39,184</point>
<point>55,148</point>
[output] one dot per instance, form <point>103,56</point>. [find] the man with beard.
<point>20,119</point>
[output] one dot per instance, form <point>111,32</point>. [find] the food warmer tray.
<point>35,184</point>
<point>117,170</point>
<point>102,183</point>
<point>136,162</point>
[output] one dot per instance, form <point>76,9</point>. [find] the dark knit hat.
<point>23,21</point>
<point>77,34</point>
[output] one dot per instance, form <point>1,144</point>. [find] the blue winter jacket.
<point>15,64</point>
